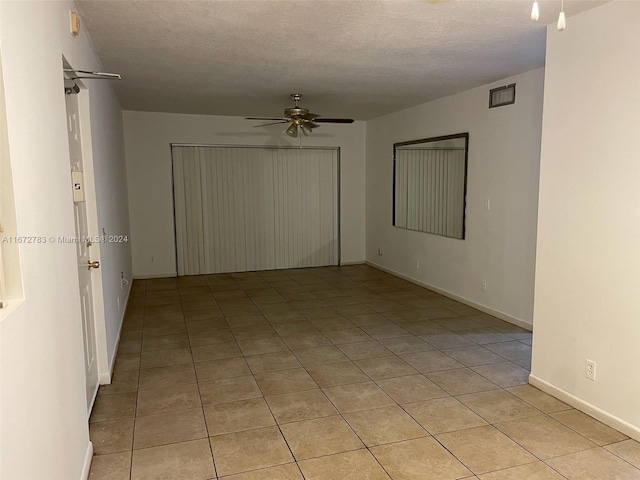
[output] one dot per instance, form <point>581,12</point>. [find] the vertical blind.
<point>248,208</point>
<point>430,190</point>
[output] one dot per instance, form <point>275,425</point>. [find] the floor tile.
<point>168,342</point>
<point>167,376</point>
<point>484,335</point>
<point>300,341</point>
<point>285,381</point>
<point>385,367</point>
<point>443,415</point>
<point>409,344</point>
<point>461,381</point>
<point>320,356</point>
<point>419,459</point>
<point>512,350</point>
<point>591,428</point>
<point>537,398</point>
<point>442,341</point>
<point>237,416</point>
<point>220,369</point>
<point>530,471</point>
<point>121,382</point>
<point>292,328</point>
<point>544,437</point>
<point>289,471</point>
<point>294,407</point>
<point>332,323</point>
<point>115,466</point>
<point>127,361</point>
<point>594,464</point>
<point>170,427</point>
<point>413,388</point>
<point>358,396</point>
<point>249,450</point>
<point>484,449</point>
<point>320,436</point>
<point>111,436</point>
<point>426,362</point>
<point>356,465</point>
<point>165,358</point>
<point>246,321</point>
<point>498,406</point>
<point>205,353</point>
<point>368,319</point>
<point>253,332</point>
<point>167,399</point>
<point>384,425</point>
<point>337,374</point>
<point>210,337</point>
<point>229,390</point>
<point>257,346</point>
<point>385,331</point>
<point>113,407</point>
<point>179,460</point>
<point>362,350</point>
<point>424,327</point>
<point>628,450</point>
<point>271,362</point>
<point>347,335</point>
<point>505,374</point>
<point>473,356</point>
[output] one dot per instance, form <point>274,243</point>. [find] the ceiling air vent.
<point>501,96</point>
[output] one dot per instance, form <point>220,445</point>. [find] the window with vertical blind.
<point>430,185</point>
<point>254,208</point>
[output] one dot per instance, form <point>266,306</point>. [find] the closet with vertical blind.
<point>241,209</point>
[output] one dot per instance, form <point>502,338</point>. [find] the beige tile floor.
<point>332,374</point>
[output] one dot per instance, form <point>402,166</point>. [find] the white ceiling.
<point>350,58</point>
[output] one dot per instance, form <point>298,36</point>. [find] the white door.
<point>83,249</point>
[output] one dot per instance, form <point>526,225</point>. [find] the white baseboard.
<point>591,410</point>
<point>359,262</point>
<point>105,378</point>
<point>147,276</point>
<point>483,308</point>
<point>86,466</point>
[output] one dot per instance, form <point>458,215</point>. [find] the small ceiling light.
<point>292,131</point>
<point>535,11</point>
<point>306,129</point>
<point>562,21</point>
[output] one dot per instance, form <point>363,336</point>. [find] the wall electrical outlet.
<point>590,369</point>
<point>483,285</point>
<point>417,264</point>
<point>379,252</point>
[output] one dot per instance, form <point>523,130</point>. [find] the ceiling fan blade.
<point>273,123</point>
<point>266,118</point>
<point>333,120</point>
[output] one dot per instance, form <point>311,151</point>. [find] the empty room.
<point>328,240</point>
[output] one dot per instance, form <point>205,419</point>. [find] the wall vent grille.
<point>501,96</point>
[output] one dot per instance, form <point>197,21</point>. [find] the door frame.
<point>84,113</point>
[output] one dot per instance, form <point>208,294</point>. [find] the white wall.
<point>147,145</point>
<point>504,152</point>
<point>587,271</point>
<point>43,422</point>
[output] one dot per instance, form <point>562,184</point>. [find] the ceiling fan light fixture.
<point>292,131</point>
<point>535,11</point>
<point>306,129</point>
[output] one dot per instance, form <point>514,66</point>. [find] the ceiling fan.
<point>300,119</point>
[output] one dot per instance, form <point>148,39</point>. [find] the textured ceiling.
<point>350,58</point>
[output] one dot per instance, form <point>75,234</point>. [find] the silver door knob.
<point>93,265</point>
